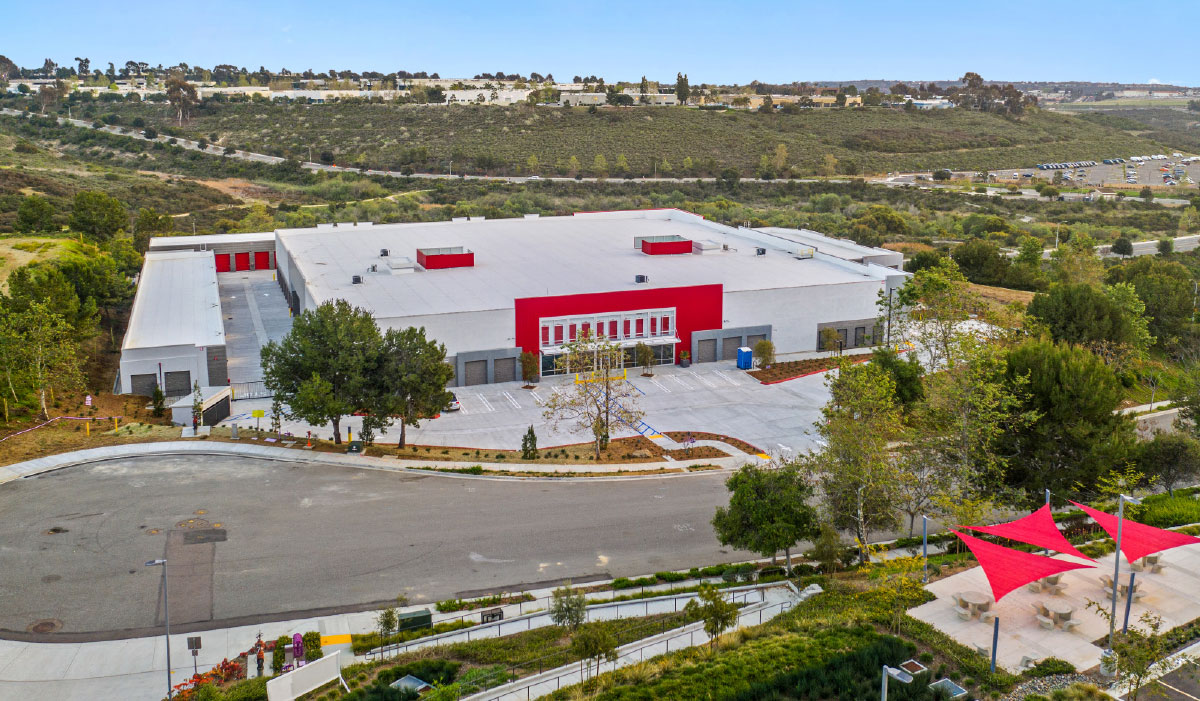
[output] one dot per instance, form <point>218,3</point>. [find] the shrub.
<point>278,655</point>
<point>672,576</point>
<point>1049,666</point>
<point>925,657</point>
<point>312,646</point>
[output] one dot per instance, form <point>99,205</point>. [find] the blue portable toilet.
<point>745,358</point>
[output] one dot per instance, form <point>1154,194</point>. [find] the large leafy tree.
<point>322,369</point>
<point>98,215</point>
<point>1170,459</point>
<point>39,353</point>
<point>1076,437</point>
<point>410,380</point>
<point>981,262</point>
<point>34,214</point>
<point>44,283</point>
<point>181,95</point>
<point>768,511</point>
<point>856,471</point>
<point>1082,314</point>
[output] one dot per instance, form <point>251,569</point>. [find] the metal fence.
<point>748,618</point>
<point>249,390</point>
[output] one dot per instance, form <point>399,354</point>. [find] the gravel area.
<point>1045,685</point>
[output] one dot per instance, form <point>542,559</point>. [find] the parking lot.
<point>710,397</point>
<point>1146,173</point>
<point>1180,685</point>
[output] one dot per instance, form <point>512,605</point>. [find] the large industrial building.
<point>491,289</point>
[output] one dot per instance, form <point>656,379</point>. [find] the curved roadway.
<point>249,538</point>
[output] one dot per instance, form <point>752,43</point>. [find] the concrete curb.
<point>51,463</point>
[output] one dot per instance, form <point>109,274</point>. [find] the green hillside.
<point>501,139</point>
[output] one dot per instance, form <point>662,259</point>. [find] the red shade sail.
<point>1007,569</point>
<point>1035,529</point>
<point>1137,539</point>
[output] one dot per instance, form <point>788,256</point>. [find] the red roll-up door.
<point>262,260</point>
<point>241,261</point>
<point>222,262</point>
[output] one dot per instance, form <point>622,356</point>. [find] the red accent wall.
<point>222,262</point>
<point>446,260</point>
<point>697,308</point>
<point>666,248</point>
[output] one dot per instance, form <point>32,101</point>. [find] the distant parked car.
<point>453,405</point>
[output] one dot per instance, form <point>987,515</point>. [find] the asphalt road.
<point>269,537</point>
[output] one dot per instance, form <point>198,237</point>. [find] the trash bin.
<point>745,358</point>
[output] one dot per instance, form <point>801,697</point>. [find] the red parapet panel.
<point>666,248</point>
<point>441,261</point>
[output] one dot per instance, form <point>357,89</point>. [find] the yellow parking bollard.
<point>87,429</point>
<point>116,425</point>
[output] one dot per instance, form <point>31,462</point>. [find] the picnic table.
<point>978,601</point>
<point>1062,610</point>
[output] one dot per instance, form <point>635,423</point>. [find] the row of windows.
<point>613,327</point>
<point>664,354</point>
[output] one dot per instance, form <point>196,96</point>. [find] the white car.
<point>533,177</point>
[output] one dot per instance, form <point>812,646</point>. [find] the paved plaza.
<point>1173,594</point>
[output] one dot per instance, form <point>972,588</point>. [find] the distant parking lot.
<point>1146,173</point>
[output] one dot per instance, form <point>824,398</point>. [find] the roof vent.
<point>356,280</point>
<point>760,251</point>
<point>384,253</point>
<point>374,268</point>
<point>641,279</point>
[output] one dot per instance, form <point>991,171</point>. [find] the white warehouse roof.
<point>177,302</point>
<point>840,248</point>
<point>169,242</point>
<point>548,256</point>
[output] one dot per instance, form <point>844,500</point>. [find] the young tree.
<point>768,511</point>
<point>593,643</point>
<point>711,607</point>
<point>764,350</point>
<point>906,374</point>
<point>600,395</point>
<point>682,90</point>
<point>98,215</point>
<point>1076,262</point>
<point>644,355</point>
<point>197,405</point>
<point>1166,246</point>
<point>827,549</point>
<point>158,402</point>
<point>322,370</point>
<point>41,354</point>
<point>531,366</point>
<point>409,380</point>
<point>568,608</point>
<point>529,449</point>
<point>856,470</point>
<point>386,620</point>
<point>945,301</point>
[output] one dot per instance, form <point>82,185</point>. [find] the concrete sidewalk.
<point>136,668</point>
<point>255,449</point>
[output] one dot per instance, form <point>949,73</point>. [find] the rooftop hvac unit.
<point>356,280</point>
<point>374,268</point>
<point>641,279</point>
<point>760,251</point>
<point>724,247</point>
<point>384,253</point>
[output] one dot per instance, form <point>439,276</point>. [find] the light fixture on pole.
<point>898,674</point>
<point>925,548</point>
<point>166,616</point>
<point>1107,658</point>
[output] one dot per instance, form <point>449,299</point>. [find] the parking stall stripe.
<point>487,405</point>
<point>725,377</point>
<point>537,399</point>
<point>702,379</point>
<point>679,379</point>
<point>511,400</point>
<point>659,385</point>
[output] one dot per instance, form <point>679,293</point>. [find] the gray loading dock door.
<point>143,385</point>
<point>729,347</point>
<point>177,383</point>
<point>475,372</point>
<point>504,369</point>
<point>706,351</point>
<point>752,340</point>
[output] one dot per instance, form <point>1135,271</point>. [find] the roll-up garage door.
<point>475,372</point>
<point>222,262</point>
<point>177,383</point>
<point>729,347</point>
<point>262,260</point>
<point>143,385</point>
<point>706,351</point>
<point>505,369</point>
<point>241,261</point>
<point>752,340</point>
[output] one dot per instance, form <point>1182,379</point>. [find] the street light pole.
<point>925,548</point>
<point>898,674</point>
<point>1116,580</point>
<point>166,616</point>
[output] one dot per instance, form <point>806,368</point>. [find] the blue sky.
<point>727,42</point>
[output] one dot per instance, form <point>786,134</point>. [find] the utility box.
<point>745,358</point>
<point>413,620</point>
